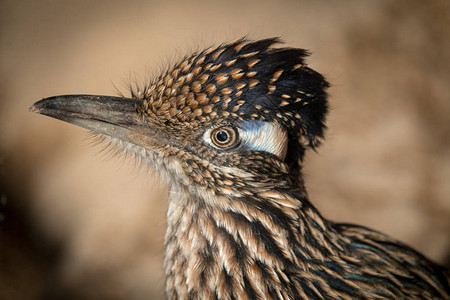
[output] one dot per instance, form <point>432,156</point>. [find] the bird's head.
<point>220,118</point>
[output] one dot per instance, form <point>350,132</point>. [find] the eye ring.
<point>224,137</point>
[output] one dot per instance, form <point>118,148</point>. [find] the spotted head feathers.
<point>243,80</point>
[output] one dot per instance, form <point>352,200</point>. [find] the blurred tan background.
<point>77,224</point>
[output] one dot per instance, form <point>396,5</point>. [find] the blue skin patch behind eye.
<point>263,136</point>
<point>251,126</point>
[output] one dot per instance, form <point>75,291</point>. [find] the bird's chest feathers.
<point>211,252</point>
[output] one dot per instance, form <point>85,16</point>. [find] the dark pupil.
<point>222,136</point>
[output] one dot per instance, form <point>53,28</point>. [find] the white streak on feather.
<point>265,136</point>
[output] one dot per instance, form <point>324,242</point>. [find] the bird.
<point>227,128</point>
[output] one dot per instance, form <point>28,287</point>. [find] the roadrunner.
<point>228,127</point>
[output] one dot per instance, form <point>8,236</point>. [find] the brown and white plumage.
<point>228,127</point>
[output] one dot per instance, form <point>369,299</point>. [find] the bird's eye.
<point>224,137</point>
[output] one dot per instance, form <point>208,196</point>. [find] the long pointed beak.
<point>113,116</point>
